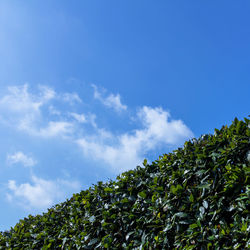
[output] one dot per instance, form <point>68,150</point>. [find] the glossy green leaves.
<point>196,197</point>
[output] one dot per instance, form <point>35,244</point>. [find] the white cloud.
<point>51,130</point>
<point>127,150</point>
<point>19,100</point>
<point>111,101</point>
<point>92,120</point>
<point>40,193</point>
<point>54,111</point>
<point>55,129</point>
<point>21,109</point>
<point>20,106</point>
<point>30,112</point>
<point>20,157</point>
<point>158,128</point>
<point>46,93</point>
<point>120,157</point>
<point>71,98</point>
<point>114,101</point>
<point>79,117</point>
<point>89,118</point>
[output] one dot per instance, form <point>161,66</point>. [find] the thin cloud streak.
<point>81,118</point>
<point>20,158</point>
<point>71,98</point>
<point>111,101</point>
<point>53,129</point>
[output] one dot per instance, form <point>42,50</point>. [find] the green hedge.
<point>196,197</point>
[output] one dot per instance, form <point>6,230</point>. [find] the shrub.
<point>196,197</point>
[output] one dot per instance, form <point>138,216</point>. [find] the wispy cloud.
<point>79,117</point>
<point>111,101</point>
<point>53,129</point>
<point>40,193</point>
<point>19,100</point>
<point>20,157</point>
<point>53,111</point>
<point>71,98</point>
<point>82,118</point>
<point>46,93</point>
<point>29,112</point>
<point>22,109</point>
<point>127,150</point>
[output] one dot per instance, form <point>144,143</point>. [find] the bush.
<point>196,197</point>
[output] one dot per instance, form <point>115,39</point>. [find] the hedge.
<point>196,197</point>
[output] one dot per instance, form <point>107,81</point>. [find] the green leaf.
<point>206,186</point>
<point>191,198</point>
<point>108,189</point>
<point>198,223</point>
<point>142,194</point>
<point>192,226</point>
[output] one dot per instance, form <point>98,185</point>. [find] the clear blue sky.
<point>88,89</point>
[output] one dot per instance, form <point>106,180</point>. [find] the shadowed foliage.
<point>196,197</point>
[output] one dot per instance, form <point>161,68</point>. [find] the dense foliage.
<point>196,197</point>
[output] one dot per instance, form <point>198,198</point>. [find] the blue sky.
<point>88,89</point>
